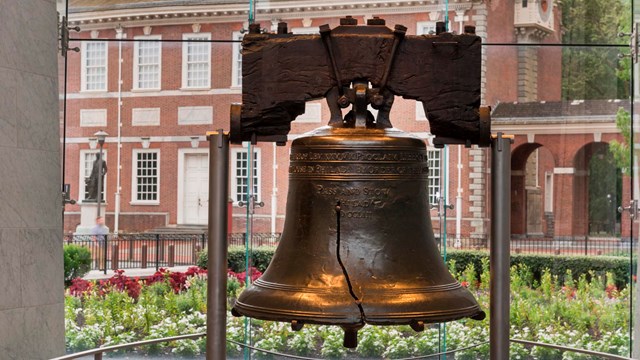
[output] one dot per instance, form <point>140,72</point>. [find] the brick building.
<point>156,75</point>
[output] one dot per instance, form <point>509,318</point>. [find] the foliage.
<point>558,265</point>
<point>591,72</point>
<point>620,150</point>
<point>77,262</point>
<point>260,258</point>
<point>586,311</point>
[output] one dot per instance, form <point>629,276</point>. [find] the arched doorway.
<point>532,192</point>
<point>597,192</point>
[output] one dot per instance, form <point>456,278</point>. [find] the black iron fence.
<point>149,250</point>
<point>156,250</point>
<point>549,246</point>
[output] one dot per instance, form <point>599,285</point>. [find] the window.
<point>87,158</point>
<point>433,162</point>
<point>94,66</point>
<point>236,67</point>
<point>196,61</point>
<point>240,171</point>
<point>146,177</point>
<point>147,63</point>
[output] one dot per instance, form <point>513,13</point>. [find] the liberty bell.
<point>357,245</point>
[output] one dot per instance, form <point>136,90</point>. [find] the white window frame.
<point>134,177</point>
<point>236,61</point>
<point>434,191</point>
<point>83,66</point>
<point>136,61</point>
<point>82,171</point>
<point>185,49</point>
<point>234,168</point>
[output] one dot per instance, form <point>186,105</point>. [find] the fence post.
<point>114,256</point>
<point>586,245</point>
<point>172,254</point>
<point>104,257</point>
<point>144,256</point>
<point>157,251</point>
<point>131,248</point>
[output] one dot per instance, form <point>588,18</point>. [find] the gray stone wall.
<point>31,271</point>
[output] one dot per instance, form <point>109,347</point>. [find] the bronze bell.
<point>357,245</point>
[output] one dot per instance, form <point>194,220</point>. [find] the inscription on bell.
<point>358,156</point>
<point>358,169</point>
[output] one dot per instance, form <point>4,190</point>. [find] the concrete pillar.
<point>31,280</point>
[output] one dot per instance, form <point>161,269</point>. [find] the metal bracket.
<point>252,204</point>
<point>632,209</point>
<point>66,195</point>
<point>633,44</point>
<point>63,31</point>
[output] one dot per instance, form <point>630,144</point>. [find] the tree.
<point>620,150</point>
<point>594,72</point>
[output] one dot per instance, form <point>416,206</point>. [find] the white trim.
<point>83,67</point>
<point>134,177</point>
<point>182,153</point>
<point>305,30</point>
<point>555,128</point>
<point>136,59</point>
<point>82,170</point>
<point>203,115</point>
<point>205,13</point>
<point>257,158</point>
<point>548,191</point>
<point>146,122</point>
<point>151,93</point>
<point>236,59</point>
<point>420,113</point>
<point>185,47</point>
<point>99,117</point>
<point>135,139</point>
<point>564,170</point>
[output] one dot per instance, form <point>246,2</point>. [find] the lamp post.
<point>101,135</point>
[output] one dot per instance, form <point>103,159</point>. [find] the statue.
<point>99,169</point>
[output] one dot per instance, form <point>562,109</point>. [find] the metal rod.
<point>499,251</point>
<point>566,348</point>
<point>217,246</point>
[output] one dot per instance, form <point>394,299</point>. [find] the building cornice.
<point>214,13</point>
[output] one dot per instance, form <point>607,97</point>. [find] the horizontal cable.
<point>566,348</point>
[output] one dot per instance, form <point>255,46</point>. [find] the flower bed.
<point>589,313</point>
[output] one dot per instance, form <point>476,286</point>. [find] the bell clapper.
<point>351,336</point>
<point>296,325</point>
<point>417,326</point>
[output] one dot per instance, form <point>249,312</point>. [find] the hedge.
<point>557,264</point>
<point>261,256</point>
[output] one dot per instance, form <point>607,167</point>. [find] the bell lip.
<point>472,312</point>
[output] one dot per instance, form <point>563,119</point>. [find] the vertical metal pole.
<point>499,253</point>
<point>99,196</point>
<point>217,246</point>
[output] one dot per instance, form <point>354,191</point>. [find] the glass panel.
<point>551,72</point>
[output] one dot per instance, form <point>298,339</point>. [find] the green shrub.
<point>557,264</point>
<point>77,262</point>
<point>260,258</point>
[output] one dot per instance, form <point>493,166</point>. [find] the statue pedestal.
<point>88,214</point>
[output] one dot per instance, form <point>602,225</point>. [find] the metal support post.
<point>217,245</point>
<point>499,252</point>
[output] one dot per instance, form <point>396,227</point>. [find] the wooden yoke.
<point>280,72</point>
